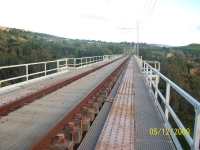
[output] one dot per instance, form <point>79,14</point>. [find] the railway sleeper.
<point>104,94</point>
<point>99,101</point>
<point>94,105</point>
<point>60,145</point>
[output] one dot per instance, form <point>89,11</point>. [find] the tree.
<point>33,56</point>
<point>2,35</point>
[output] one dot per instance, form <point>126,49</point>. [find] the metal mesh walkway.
<point>21,128</point>
<point>147,116</point>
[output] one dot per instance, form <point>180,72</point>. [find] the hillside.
<point>189,47</point>
<point>21,46</point>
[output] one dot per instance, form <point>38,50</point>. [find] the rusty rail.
<point>61,123</point>
<point>18,103</point>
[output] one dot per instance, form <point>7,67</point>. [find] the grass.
<point>189,47</point>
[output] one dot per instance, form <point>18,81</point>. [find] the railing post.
<point>0,80</point>
<point>196,136</point>
<point>159,66</point>
<point>26,72</point>
<point>167,96</point>
<point>141,63</point>
<point>81,61</point>
<point>155,65</point>
<point>143,66</point>
<point>57,65</point>
<point>74,62</point>
<point>66,63</point>
<point>147,74</point>
<point>150,77</point>
<point>45,68</point>
<point>156,93</point>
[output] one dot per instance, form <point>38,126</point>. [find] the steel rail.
<point>60,124</point>
<point>17,103</point>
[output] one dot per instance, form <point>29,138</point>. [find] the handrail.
<point>148,70</point>
<point>61,65</point>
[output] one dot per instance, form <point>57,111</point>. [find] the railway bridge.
<point>101,102</point>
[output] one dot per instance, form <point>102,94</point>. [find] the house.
<point>169,55</point>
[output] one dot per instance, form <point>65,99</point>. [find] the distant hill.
<point>194,46</point>
<point>161,45</point>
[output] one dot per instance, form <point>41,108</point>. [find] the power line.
<point>144,9</point>
<point>137,49</point>
<point>113,12</point>
<point>150,12</point>
<point>147,8</point>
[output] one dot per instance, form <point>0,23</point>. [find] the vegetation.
<point>19,47</point>
<point>189,47</point>
<point>176,68</point>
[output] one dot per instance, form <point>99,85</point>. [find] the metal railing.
<point>148,71</point>
<point>60,65</point>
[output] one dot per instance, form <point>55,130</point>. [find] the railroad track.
<point>10,102</point>
<point>57,120</point>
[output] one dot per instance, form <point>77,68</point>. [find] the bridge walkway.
<point>131,117</point>
<point>147,116</point>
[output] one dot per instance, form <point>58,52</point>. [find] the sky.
<point>171,22</point>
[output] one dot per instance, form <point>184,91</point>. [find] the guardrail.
<point>58,66</point>
<point>148,71</point>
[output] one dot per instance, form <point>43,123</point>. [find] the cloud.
<point>198,28</point>
<point>93,17</point>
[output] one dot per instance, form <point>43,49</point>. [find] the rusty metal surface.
<point>92,135</point>
<point>29,92</point>
<point>67,117</point>
<point>36,123</point>
<point>91,138</point>
<point>118,131</point>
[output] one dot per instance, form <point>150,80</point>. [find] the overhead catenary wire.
<point>147,8</point>
<point>109,3</point>
<point>147,13</point>
<point>144,9</point>
<point>150,12</point>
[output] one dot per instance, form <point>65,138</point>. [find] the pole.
<point>137,46</point>
<point>138,38</point>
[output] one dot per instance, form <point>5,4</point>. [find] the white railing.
<point>61,65</point>
<point>148,72</point>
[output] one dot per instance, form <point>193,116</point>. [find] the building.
<point>169,55</point>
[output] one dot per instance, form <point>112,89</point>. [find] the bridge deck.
<point>18,91</point>
<point>118,131</point>
<point>147,116</point>
<point>91,138</point>
<point>19,129</point>
<point>130,119</point>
